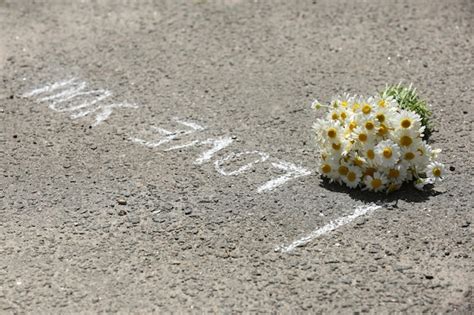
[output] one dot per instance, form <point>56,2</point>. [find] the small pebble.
<point>188,211</point>
<point>121,201</point>
<point>122,213</point>
<point>452,168</point>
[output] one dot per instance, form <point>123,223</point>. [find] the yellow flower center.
<point>352,125</point>
<point>343,170</point>
<point>376,183</point>
<point>382,103</point>
<point>387,153</point>
<point>332,133</point>
<point>355,107</point>
<point>382,130</point>
<point>369,171</point>
<point>343,115</point>
<point>336,146</point>
<point>409,156</point>
<point>351,176</point>
<point>405,123</point>
<point>369,125</point>
<point>381,117</point>
<point>358,161</point>
<point>366,109</point>
<point>437,172</point>
<point>406,141</point>
<point>344,104</point>
<point>326,168</point>
<point>393,173</point>
<point>362,137</point>
<point>370,154</point>
<point>335,116</point>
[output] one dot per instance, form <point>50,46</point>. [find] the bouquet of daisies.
<point>374,143</point>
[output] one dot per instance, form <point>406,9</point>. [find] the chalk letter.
<point>292,171</point>
<point>218,164</point>
<point>217,145</point>
<point>170,135</point>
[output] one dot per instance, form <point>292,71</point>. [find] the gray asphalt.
<point>98,215</point>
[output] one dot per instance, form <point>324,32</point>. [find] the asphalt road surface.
<point>157,156</point>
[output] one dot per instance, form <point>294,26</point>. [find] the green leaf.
<point>408,99</point>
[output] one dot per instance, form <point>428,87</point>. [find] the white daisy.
<point>385,103</point>
<point>435,171</point>
<point>387,153</point>
<point>328,130</point>
<point>410,155</point>
<point>376,182</point>
<point>420,183</point>
<point>406,120</point>
<point>406,138</point>
<point>367,107</point>
<point>353,176</point>
<point>328,168</point>
<point>368,152</point>
<point>361,136</point>
<point>343,169</point>
<point>396,173</point>
<point>425,154</point>
<point>316,104</point>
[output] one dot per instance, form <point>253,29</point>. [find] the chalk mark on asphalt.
<point>62,96</point>
<point>331,226</point>
<point>74,96</point>
<point>69,96</point>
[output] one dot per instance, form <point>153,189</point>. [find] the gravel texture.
<point>91,221</point>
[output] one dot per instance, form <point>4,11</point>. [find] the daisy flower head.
<point>387,153</point>
<point>425,153</point>
<point>435,171</point>
<point>376,182</point>
<point>350,125</point>
<point>385,102</point>
<point>355,103</point>
<point>353,177</point>
<point>361,136</point>
<point>333,115</point>
<point>343,168</point>
<point>337,148</point>
<point>396,173</point>
<point>370,124</point>
<point>341,100</point>
<point>368,153</point>
<point>410,155</point>
<point>344,114</point>
<point>356,159</point>
<point>406,138</point>
<point>383,130</point>
<point>328,130</point>
<point>382,114</point>
<point>367,107</point>
<point>328,168</point>
<point>316,105</point>
<point>406,120</point>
